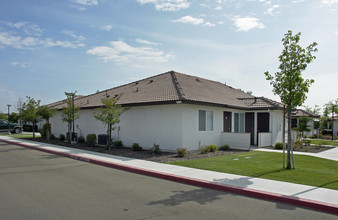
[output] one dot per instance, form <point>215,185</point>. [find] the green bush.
<point>62,137</point>
<point>224,147</point>
<point>212,148</point>
<point>182,152</point>
<point>314,136</point>
<point>156,149</point>
<point>204,150</point>
<point>307,142</point>
<point>52,136</point>
<point>136,147</point>
<point>118,144</point>
<point>43,131</point>
<point>81,140</point>
<point>91,139</point>
<point>279,146</point>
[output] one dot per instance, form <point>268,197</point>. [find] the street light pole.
<point>9,129</point>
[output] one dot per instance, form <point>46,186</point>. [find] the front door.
<point>227,121</point>
<point>250,126</point>
<point>263,122</point>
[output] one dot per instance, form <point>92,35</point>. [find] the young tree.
<point>288,83</point>
<point>46,113</point>
<point>110,114</point>
<point>3,116</point>
<point>302,125</point>
<point>14,117</point>
<point>30,112</point>
<point>67,114</point>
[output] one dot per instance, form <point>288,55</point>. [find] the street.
<point>37,185</point>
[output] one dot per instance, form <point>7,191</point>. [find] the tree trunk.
<point>47,134</point>
<point>69,132</point>
<point>283,139</point>
<point>109,136</point>
<point>288,162</point>
<point>33,130</point>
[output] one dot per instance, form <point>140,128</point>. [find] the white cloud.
<point>25,26</point>
<point>9,40</point>
<point>82,5</point>
<point>167,5</point>
<point>86,2</point>
<point>107,27</point>
<point>189,20</point>
<point>247,23</point>
<point>21,64</point>
<point>271,10</point>
<point>329,2</point>
<point>208,24</point>
<point>121,52</point>
<point>72,34</point>
<point>141,41</point>
<point>194,21</point>
<point>218,8</point>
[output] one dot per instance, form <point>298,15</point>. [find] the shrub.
<point>307,142</point>
<point>212,148</point>
<point>91,139</point>
<point>43,131</point>
<point>118,144</point>
<point>52,136</point>
<point>314,136</point>
<point>224,147</point>
<point>279,146</point>
<point>136,147</point>
<point>62,137</point>
<point>182,152</point>
<point>81,140</point>
<point>204,150</point>
<point>156,149</point>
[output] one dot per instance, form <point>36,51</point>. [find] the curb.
<point>311,204</point>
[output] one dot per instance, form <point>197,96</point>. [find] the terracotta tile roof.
<point>172,87</point>
<point>301,113</point>
<point>261,103</point>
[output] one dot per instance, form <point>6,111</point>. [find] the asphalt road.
<point>37,185</point>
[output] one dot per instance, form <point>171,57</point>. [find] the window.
<point>239,122</point>
<point>205,120</point>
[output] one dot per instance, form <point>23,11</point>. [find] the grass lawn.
<point>324,142</point>
<point>309,170</point>
<point>21,135</point>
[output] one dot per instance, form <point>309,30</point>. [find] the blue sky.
<point>49,47</point>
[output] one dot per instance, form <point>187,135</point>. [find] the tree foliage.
<point>109,114</point>
<point>288,83</point>
<point>30,112</point>
<point>302,125</point>
<point>14,117</point>
<point>67,113</point>
<point>46,113</point>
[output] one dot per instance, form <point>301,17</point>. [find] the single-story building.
<point>297,114</point>
<point>178,110</point>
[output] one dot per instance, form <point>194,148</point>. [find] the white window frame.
<point>208,124</point>
<point>239,122</point>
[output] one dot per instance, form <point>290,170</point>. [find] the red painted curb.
<point>325,207</point>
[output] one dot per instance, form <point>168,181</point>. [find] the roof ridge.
<point>177,85</point>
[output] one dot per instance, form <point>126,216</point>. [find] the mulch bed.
<point>145,154</point>
<point>164,157</point>
<point>308,149</point>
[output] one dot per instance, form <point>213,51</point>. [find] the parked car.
<point>13,127</point>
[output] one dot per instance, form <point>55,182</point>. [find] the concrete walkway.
<point>301,195</point>
<point>331,154</point>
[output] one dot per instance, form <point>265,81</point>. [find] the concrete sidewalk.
<point>301,195</point>
<point>331,154</point>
